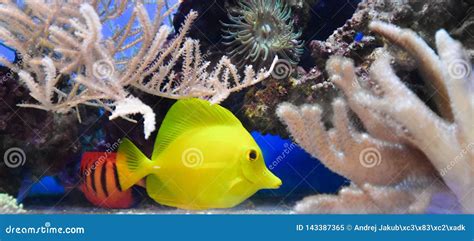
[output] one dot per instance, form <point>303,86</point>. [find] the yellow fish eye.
<point>252,155</point>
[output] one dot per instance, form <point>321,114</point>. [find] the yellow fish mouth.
<point>277,185</point>
<point>270,181</point>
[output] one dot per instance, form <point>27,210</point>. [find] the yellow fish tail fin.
<point>132,164</point>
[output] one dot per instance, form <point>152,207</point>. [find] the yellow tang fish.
<point>203,158</point>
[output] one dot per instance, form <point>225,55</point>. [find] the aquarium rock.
<point>423,17</point>
<point>46,141</point>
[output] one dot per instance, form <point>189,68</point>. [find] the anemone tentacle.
<point>260,30</point>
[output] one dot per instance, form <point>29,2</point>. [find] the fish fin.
<point>188,114</point>
<point>142,183</point>
<point>132,164</point>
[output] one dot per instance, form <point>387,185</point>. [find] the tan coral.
<point>378,163</point>
<point>66,61</point>
<point>397,164</point>
<point>449,145</point>
<point>369,199</point>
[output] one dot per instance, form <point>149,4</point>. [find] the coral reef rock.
<point>423,17</point>
<point>40,143</point>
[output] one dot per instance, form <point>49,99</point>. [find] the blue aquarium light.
<point>358,37</point>
<point>301,174</point>
<point>7,53</point>
<point>46,186</point>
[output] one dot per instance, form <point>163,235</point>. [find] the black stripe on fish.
<point>83,173</point>
<point>117,183</point>
<point>92,174</point>
<point>103,179</point>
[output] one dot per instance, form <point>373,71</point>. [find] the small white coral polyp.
<point>8,205</point>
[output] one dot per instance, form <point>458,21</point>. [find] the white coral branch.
<point>412,144</point>
<point>133,105</point>
<point>448,145</point>
<point>344,149</point>
<point>83,62</point>
<point>368,199</point>
<point>429,63</point>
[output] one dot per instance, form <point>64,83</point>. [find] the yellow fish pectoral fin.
<point>164,193</point>
<point>132,164</point>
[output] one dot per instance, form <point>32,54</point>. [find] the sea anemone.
<point>261,30</point>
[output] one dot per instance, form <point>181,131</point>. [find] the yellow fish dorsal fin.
<point>189,114</point>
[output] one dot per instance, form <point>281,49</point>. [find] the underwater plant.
<point>65,60</point>
<point>260,30</point>
<point>8,205</point>
<point>406,153</point>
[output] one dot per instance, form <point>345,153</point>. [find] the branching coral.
<point>260,30</point>
<point>8,205</point>
<point>66,61</point>
<point>397,164</point>
<point>449,145</point>
<point>373,160</point>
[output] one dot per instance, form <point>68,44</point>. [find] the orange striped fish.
<point>100,182</point>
